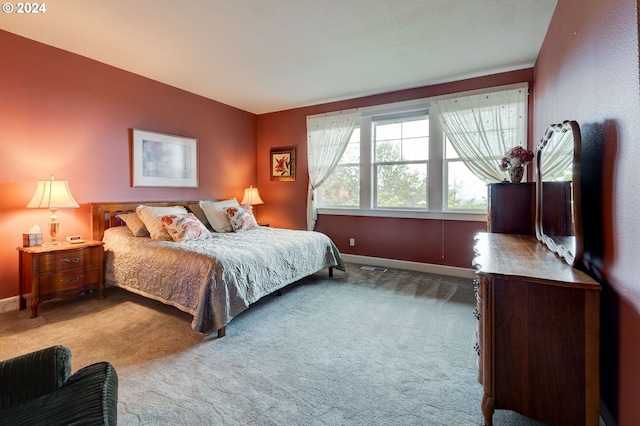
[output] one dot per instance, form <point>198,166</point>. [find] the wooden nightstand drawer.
<point>69,280</point>
<point>70,259</point>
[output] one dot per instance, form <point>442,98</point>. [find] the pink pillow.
<point>184,227</point>
<point>241,218</point>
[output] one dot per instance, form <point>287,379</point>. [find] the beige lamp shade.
<point>53,195</point>
<point>251,197</point>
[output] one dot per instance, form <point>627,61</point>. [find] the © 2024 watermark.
<point>24,8</point>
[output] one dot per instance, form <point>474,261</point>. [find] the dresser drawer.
<point>68,260</point>
<point>52,283</point>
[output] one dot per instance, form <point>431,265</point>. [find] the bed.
<point>216,278</point>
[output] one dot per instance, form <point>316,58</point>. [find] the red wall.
<point>439,242</point>
<point>66,115</point>
<point>588,71</point>
<point>420,240</point>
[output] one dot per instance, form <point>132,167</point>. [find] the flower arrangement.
<point>516,157</point>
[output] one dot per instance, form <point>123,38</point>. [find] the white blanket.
<point>217,278</point>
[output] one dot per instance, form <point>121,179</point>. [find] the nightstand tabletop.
<point>60,247</point>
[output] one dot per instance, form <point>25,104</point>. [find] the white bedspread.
<point>217,278</point>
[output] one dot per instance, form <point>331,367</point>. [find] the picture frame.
<point>162,160</point>
<point>283,164</point>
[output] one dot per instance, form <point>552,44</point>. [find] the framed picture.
<point>163,160</point>
<point>283,164</point>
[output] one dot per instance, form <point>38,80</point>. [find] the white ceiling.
<point>270,55</point>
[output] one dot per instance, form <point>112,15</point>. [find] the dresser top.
<point>512,256</point>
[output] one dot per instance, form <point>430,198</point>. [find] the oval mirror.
<point>558,216</point>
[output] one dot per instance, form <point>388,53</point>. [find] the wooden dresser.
<point>538,332</point>
<point>518,218</point>
<point>521,200</point>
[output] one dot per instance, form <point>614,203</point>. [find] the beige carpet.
<point>362,348</point>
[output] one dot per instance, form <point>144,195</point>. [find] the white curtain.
<point>557,158</point>
<point>327,139</point>
<point>483,124</point>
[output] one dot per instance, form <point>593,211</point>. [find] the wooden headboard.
<point>104,215</point>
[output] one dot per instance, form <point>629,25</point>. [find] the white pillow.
<point>217,214</point>
<point>151,217</point>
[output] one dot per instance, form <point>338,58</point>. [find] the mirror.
<point>558,216</point>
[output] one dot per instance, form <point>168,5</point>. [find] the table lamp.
<point>53,195</point>
<point>251,197</point>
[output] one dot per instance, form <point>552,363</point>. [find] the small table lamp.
<point>53,194</point>
<point>251,197</point>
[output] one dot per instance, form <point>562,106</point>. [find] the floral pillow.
<point>241,218</point>
<point>184,227</point>
<point>150,216</point>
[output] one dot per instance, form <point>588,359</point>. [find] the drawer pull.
<point>66,260</point>
<point>73,281</point>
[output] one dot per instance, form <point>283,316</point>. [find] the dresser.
<point>538,332</point>
<point>518,218</point>
<point>56,271</point>
<point>512,208</point>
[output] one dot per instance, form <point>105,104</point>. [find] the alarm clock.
<point>75,239</point>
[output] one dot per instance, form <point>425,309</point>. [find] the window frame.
<point>402,118</point>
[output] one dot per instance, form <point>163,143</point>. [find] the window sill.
<point>409,214</point>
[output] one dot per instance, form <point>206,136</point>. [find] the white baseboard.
<point>9,304</point>
<point>429,268</point>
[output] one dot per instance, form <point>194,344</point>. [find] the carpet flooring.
<point>361,348</point>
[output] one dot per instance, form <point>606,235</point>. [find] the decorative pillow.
<point>184,227</point>
<point>134,224</point>
<point>197,210</point>
<point>151,217</point>
<point>216,213</point>
<point>241,218</point>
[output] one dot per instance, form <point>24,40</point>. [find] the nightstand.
<point>60,271</point>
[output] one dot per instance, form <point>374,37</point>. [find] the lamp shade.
<point>52,194</point>
<point>251,197</point>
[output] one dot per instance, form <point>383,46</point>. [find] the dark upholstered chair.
<point>38,388</point>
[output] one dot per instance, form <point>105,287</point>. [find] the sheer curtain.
<point>483,124</point>
<point>327,139</point>
<point>558,157</point>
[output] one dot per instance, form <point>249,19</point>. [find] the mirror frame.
<point>568,248</point>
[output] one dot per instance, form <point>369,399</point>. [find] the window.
<point>399,148</point>
<point>400,157</point>
<point>399,162</point>
<point>465,191</point>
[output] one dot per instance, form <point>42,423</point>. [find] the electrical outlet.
<point>352,242</point>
